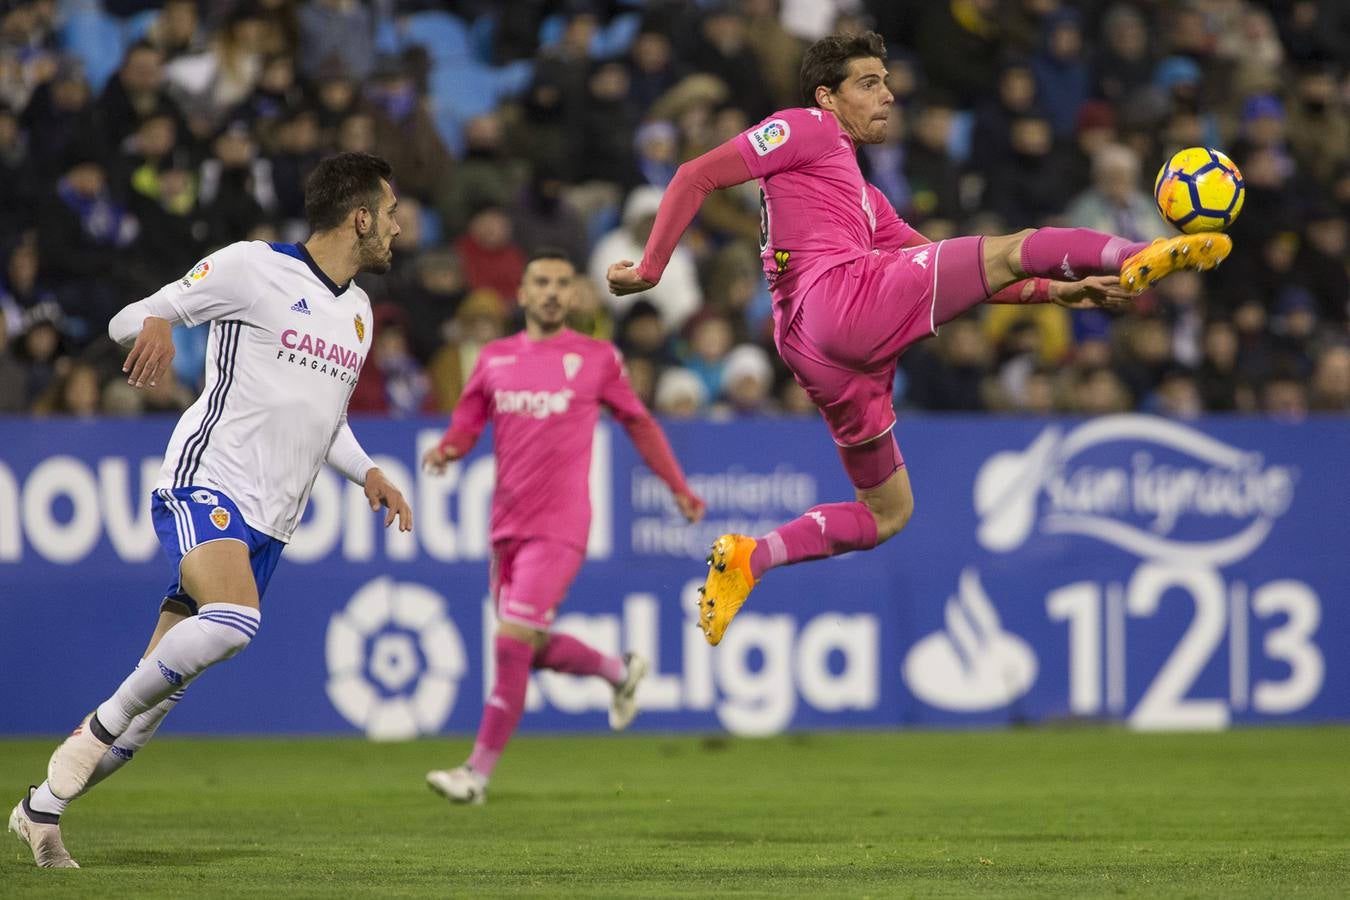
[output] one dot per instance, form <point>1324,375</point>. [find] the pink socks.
<point>1068,254</point>
<point>502,712</point>
<point>826,530</point>
<point>564,653</point>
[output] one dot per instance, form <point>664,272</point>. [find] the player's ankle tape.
<point>96,728</point>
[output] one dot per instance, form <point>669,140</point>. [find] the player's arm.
<point>466,423</point>
<point>650,440</point>
<point>721,167</point>
<point>346,456</point>
<point>1097,291</point>
<point>215,288</point>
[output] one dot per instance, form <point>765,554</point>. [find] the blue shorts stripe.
<point>180,521</point>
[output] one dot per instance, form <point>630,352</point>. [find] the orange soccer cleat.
<point>1167,255</point>
<point>729,583</point>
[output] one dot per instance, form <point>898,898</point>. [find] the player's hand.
<point>624,279</point>
<point>151,354</point>
<point>1097,292</point>
<point>691,506</point>
<point>437,458</point>
<point>380,491</point>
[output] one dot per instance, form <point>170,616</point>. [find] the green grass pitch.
<point>1062,812</point>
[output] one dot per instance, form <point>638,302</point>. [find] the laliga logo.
<point>1136,507</point>
<point>394,660</point>
<point>974,665</point>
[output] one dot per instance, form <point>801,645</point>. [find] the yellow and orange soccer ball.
<point>1199,189</point>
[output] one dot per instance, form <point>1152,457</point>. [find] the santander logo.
<point>303,342</point>
<point>1149,486</point>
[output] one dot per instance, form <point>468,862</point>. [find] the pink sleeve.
<point>644,431</point>
<point>892,231</point>
<point>720,167</point>
<point>471,412</point>
<point>788,139</point>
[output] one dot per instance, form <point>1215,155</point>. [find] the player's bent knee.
<point>893,520</point>
<point>229,627</point>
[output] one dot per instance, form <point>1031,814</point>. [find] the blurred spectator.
<point>1114,203</point>
<point>60,117</point>
<point>1285,397</point>
<point>710,339</point>
<point>1025,188</point>
<point>1221,388</point>
<point>642,335</point>
<point>43,350</point>
<point>1124,65</point>
<point>1014,97</point>
<point>654,68</point>
<point>490,256</point>
<point>778,55</point>
<point>18,175</point>
<point>135,92</point>
<point>276,96</point>
<point>1321,264</point>
<point>298,151</point>
<point>480,318</point>
<point>1100,392</point>
<point>588,314</point>
<point>677,296</point>
<point>224,74</point>
<point>431,300</point>
<point>391,383</point>
<point>949,373</point>
<point>83,232</point>
<point>488,175</point>
<point>747,380</point>
<point>1319,124</point>
<point>174,232</point>
<point>540,217</point>
<point>724,51</point>
<point>405,134</point>
<point>680,394</point>
<point>166,395</point>
<point>657,146</point>
<point>13,375</point>
<point>1063,78</point>
<point>958,42</point>
<point>1177,395</point>
<point>607,125</point>
<point>934,177</point>
<point>341,29</point>
<point>335,96</point>
<point>235,192</point>
<point>74,393</point>
<point>1331,380</point>
<point>793,399</point>
<point>1146,354</point>
<point>177,30</point>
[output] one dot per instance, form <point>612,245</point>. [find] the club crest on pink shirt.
<point>571,365</point>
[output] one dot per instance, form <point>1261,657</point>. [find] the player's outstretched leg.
<point>1165,256</point>
<point>1068,254</point>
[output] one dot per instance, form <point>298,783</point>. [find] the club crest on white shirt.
<point>360,328</point>
<point>571,365</point>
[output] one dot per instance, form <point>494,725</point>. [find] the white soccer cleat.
<point>43,838</point>
<point>623,708</point>
<point>73,763</point>
<point>459,785</point>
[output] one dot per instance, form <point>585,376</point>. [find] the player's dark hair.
<point>549,253</point>
<point>826,61</point>
<point>340,184</point>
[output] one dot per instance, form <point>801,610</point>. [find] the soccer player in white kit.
<point>289,333</point>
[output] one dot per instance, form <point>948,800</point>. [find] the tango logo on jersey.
<point>1146,485</point>
<point>303,342</point>
<point>571,365</point>
<point>536,404</point>
<point>220,517</point>
<point>360,328</point>
<point>769,136</point>
<point>199,271</point>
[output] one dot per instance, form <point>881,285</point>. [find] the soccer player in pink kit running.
<point>854,285</point>
<point>542,389</point>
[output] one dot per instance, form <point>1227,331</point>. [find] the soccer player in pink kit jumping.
<point>854,285</point>
<point>542,389</point>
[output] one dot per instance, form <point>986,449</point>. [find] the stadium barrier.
<point>1129,568</point>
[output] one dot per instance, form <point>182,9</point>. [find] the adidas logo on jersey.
<point>301,307</point>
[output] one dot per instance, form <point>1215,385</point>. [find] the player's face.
<point>376,249</point>
<point>862,103</point>
<point>546,292</point>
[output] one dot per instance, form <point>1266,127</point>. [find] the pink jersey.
<point>543,399</point>
<point>816,211</point>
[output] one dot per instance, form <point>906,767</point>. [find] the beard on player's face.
<point>374,254</point>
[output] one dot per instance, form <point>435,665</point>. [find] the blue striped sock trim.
<point>243,618</point>
<point>239,628</point>
<point>243,624</point>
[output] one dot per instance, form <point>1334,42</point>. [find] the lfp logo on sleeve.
<point>769,136</point>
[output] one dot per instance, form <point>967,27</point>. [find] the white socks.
<point>217,632</point>
<point>137,735</point>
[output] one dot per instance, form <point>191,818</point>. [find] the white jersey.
<point>285,349</point>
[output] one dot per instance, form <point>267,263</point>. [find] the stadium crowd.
<point>135,137</point>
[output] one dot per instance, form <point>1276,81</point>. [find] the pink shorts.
<point>858,317</point>
<point>529,579</point>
